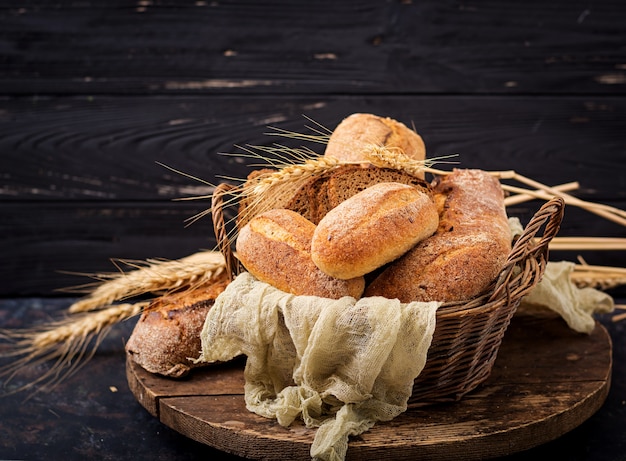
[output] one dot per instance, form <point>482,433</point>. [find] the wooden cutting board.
<point>546,381</point>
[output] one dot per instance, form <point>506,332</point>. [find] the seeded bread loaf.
<point>275,247</point>
<point>465,255</point>
<point>372,228</point>
<point>167,334</point>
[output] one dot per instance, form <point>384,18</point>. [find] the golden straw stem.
<point>619,317</point>
<point>524,197</point>
<point>610,213</point>
<point>588,243</point>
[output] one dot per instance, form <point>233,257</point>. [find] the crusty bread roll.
<point>372,228</point>
<point>167,334</point>
<point>358,132</point>
<point>275,247</point>
<point>465,255</point>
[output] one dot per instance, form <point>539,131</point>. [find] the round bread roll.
<point>168,332</point>
<point>372,228</point>
<point>275,247</point>
<point>358,132</point>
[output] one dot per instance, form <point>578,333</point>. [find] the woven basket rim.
<point>522,271</point>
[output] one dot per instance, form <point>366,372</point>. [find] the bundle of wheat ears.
<point>69,342</point>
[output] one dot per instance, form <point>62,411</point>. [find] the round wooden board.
<point>546,381</point>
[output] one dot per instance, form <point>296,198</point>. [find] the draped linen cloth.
<point>339,365</point>
<point>557,293</point>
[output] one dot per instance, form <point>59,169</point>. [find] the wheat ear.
<point>70,343</point>
<point>151,276</point>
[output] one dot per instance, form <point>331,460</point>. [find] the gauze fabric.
<point>557,293</point>
<point>340,365</point>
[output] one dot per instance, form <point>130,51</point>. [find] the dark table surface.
<point>95,97</point>
<point>93,414</point>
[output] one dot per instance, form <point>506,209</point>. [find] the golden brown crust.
<point>372,228</point>
<point>467,252</point>
<point>167,334</point>
<point>275,247</point>
<point>358,132</point>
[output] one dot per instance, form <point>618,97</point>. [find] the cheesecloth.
<point>340,365</point>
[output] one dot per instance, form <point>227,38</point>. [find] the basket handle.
<point>219,228</point>
<point>529,254</point>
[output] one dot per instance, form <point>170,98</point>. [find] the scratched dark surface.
<point>95,96</point>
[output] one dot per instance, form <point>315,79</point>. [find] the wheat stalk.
<point>395,158</point>
<point>151,276</point>
<point>521,197</point>
<point>622,316</point>
<point>292,174</point>
<point>70,343</point>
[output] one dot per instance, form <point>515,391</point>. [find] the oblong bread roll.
<point>465,255</point>
<point>275,247</point>
<point>358,132</point>
<point>372,228</point>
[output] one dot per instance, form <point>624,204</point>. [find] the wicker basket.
<point>468,334</point>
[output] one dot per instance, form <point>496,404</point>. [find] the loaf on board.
<point>167,334</point>
<point>275,247</point>
<point>466,254</point>
<point>372,228</point>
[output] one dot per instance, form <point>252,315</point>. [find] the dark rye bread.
<point>347,182</point>
<point>167,334</point>
<point>323,192</point>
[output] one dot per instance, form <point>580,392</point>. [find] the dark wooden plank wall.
<point>94,94</point>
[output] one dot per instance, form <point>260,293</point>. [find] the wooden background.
<point>95,96</point>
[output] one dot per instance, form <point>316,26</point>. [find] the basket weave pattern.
<point>468,334</point>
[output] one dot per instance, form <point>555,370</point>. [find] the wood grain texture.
<point>53,247</point>
<point>295,47</point>
<point>81,183</point>
<point>107,148</point>
<point>546,381</point>
<point>94,96</point>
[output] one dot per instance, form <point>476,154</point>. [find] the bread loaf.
<point>465,255</point>
<point>167,334</point>
<point>275,247</point>
<point>358,132</point>
<point>372,228</point>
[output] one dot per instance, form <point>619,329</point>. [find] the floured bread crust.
<point>275,247</point>
<point>358,132</point>
<point>167,335</point>
<point>372,228</point>
<point>466,254</point>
